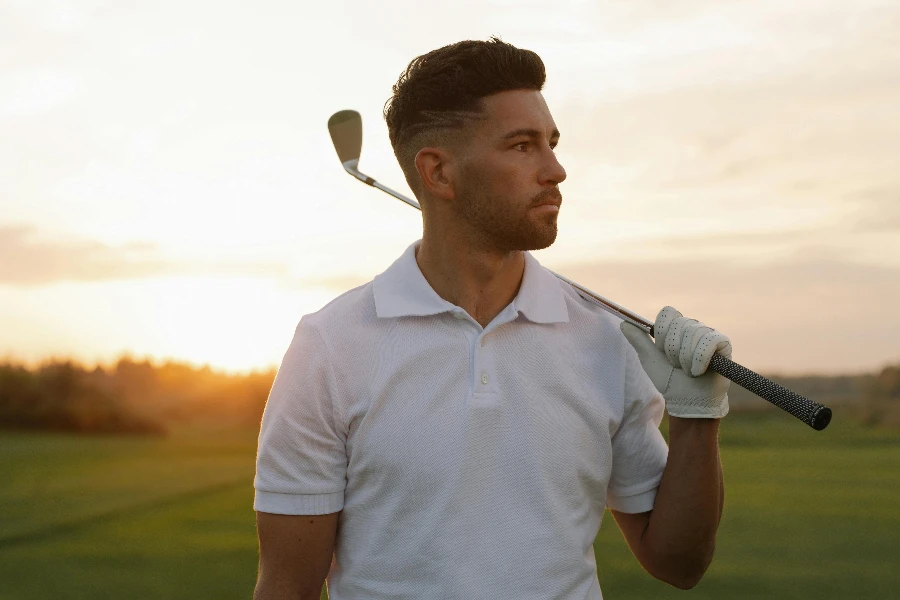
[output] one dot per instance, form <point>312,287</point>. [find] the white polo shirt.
<point>467,462</point>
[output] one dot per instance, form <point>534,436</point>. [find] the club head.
<point>345,127</point>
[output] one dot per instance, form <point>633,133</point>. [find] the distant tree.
<point>881,402</point>
<point>20,396</point>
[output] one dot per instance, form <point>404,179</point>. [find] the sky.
<point>168,188</point>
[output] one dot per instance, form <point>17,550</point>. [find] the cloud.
<point>57,15</point>
<point>741,243</point>
<point>28,261</point>
<point>810,96</point>
<point>33,91</point>
<point>878,223</point>
<point>877,209</point>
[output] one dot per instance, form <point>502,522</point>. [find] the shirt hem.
<point>298,504</point>
<point>637,503</point>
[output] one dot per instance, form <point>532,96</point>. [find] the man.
<point>456,427</point>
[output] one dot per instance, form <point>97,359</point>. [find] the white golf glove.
<point>677,363</point>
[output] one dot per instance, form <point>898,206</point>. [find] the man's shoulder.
<point>349,310</point>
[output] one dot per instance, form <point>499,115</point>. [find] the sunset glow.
<point>170,189</point>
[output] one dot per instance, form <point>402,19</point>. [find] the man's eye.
<point>552,146</point>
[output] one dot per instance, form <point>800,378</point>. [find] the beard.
<point>500,222</point>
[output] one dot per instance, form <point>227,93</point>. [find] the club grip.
<point>812,413</point>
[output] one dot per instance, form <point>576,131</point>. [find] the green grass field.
<point>808,515</point>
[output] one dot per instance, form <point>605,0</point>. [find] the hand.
<point>677,363</point>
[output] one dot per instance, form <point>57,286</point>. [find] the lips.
<point>555,200</point>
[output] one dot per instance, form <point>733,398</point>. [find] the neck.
<point>480,280</point>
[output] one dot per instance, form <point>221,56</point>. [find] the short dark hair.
<point>441,92</point>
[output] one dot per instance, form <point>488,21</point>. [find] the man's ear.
<point>436,170</point>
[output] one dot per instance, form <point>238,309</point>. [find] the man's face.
<point>508,170</point>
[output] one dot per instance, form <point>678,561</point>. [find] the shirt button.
<point>482,342</point>
<point>458,315</point>
<point>484,378</point>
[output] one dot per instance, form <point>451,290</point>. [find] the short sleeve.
<point>301,460</point>
<point>638,447</point>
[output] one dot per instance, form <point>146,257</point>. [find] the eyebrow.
<point>532,133</point>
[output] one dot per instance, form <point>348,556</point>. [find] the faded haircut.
<point>440,94</point>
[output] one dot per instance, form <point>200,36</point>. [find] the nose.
<point>553,171</point>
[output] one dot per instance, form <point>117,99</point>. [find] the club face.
<point>345,127</point>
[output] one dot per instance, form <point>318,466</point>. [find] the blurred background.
<point>171,205</point>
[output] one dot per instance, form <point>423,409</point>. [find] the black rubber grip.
<point>812,413</point>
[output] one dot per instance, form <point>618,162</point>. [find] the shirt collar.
<point>402,290</point>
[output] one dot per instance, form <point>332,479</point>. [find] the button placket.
<point>483,368</point>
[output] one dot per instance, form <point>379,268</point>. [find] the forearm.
<point>681,534</point>
<point>295,554</point>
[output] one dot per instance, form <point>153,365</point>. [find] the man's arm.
<point>295,553</point>
<point>675,541</point>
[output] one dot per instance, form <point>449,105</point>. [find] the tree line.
<point>138,397</point>
<point>872,398</point>
<point>129,396</point>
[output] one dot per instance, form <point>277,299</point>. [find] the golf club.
<point>345,127</point>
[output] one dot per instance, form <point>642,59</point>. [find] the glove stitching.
<point>697,401</point>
